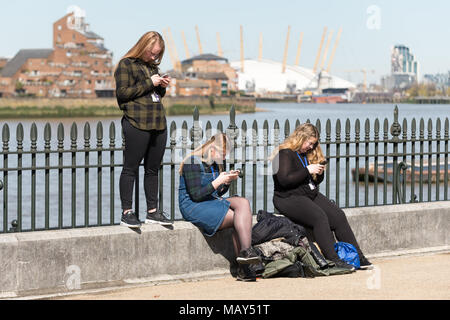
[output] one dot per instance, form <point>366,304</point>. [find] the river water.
<point>282,112</point>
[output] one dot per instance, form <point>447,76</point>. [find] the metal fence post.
<point>232,132</point>
<point>396,129</point>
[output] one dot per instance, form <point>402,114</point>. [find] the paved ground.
<point>406,277</point>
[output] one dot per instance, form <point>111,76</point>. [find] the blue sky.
<point>366,39</point>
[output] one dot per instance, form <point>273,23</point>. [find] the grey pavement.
<point>423,276</point>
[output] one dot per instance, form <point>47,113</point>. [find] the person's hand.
<point>165,81</point>
<point>315,168</point>
<point>224,178</point>
<point>156,79</point>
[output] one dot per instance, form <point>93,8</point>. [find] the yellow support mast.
<point>260,46</point>
<point>200,49</point>
<point>320,49</point>
<point>334,50</point>
<point>174,49</point>
<point>283,70</point>
<point>186,49</point>
<point>219,47</point>
<point>299,47</point>
<point>325,53</point>
<point>242,49</point>
<point>172,59</point>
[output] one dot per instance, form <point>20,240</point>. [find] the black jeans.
<point>141,144</point>
<point>323,217</point>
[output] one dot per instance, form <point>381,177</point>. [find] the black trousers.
<point>323,217</point>
<point>141,144</point>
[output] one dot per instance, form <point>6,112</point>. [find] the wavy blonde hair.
<point>147,39</point>
<point>220,141</point>
<point>296,139</point>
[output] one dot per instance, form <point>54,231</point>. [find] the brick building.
<point>78,66</point>
<point>3,62</point>
<point>204,75</point>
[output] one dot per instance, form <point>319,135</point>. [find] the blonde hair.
<point>148,39</point>
<point>297,138</point>
<point>219,141</point>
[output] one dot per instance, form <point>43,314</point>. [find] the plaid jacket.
<point>193,179</point>
<point>136,95</point>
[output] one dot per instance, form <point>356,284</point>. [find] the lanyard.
<point>301,160</point>
<point>212,170</point>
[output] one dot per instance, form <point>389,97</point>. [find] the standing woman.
<point>203,182</point>
<point>297,174</point>
<point>139,90</point>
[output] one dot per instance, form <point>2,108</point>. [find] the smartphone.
<point>165,75</point>
<point>323,162</point>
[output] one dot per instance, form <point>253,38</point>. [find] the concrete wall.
<point>45,262</point>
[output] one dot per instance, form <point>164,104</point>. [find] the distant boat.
<point>328,98</point>
<point>409,171</point>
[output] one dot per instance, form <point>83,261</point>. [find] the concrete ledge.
<point>48,262</point>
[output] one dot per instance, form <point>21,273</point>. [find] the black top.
<point>193,179</point>
<point>291,177</point>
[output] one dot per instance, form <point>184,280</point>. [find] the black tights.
<point>323,217</point>
<point>141,144</point>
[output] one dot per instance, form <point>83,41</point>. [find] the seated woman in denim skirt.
<point>203,181</point>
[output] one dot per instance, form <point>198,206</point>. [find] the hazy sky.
<point>370,28</point>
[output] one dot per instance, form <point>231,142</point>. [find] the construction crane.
<point>283,70</point>
<point>364,72</point>
<point>330,62</point>
<point>242,49</point>
<point>320,49</point>
<point>299,47</point>
<point>200,49</point>
<point>186,49</point>
<point>219,47</point>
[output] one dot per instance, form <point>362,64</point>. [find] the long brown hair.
<point>295,141</point>
<point>219,140</point>
<point>148,39</point>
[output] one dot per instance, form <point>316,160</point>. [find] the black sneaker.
<point>365,264</point>
<point>343,265</point>
<point>158,217</point>
<point>244,273</point>
<point>248,256</point>
<point>130,220</point>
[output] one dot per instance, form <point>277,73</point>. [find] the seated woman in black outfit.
<point>297,173</point>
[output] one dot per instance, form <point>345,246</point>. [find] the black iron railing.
<point>55,184</point>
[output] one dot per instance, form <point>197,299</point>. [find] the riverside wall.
<point>61,261</point>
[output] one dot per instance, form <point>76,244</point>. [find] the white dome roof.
<point>266,76</point>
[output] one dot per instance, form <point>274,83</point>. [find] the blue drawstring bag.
<point>347,252</point>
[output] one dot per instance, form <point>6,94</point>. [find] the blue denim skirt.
<point>207,215</point>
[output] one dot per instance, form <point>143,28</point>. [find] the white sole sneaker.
<point>130,225</point>
<point>370,267</point>
<point>149,221</point>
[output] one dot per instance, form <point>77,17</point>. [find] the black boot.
<point>244,273</point>
<point>317,256</point>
